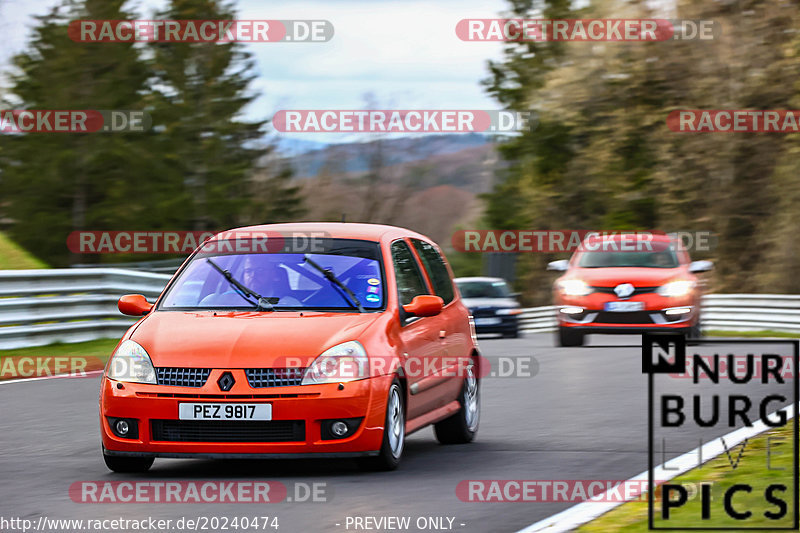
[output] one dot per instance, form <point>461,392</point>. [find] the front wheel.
<point>128,465</point>
<point>462,426</point>
<point>394,433</point>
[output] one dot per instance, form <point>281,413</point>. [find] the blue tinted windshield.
<point>286,277</point>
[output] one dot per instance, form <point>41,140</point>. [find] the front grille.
<point>260,378</point>
<point>483,313</point>
<point>182,377</point>
<point>636,290</point>
<point>633,317</point>
<point>228,431</point>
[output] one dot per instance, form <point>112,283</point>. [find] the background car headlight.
<point>574,287</point>
<point>344,362</point>
<point>676,288</point>
<point>131,363</point>
<point>510,311</point>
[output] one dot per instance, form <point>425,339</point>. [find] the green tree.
<point>199,95</point>
<point>54,183</point>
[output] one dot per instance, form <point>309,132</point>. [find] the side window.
<point>437,270</point>
<point>409,279</point>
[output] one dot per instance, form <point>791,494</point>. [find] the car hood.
<point>638,277</point>
<point>244,339</point>
<point>472,303</point>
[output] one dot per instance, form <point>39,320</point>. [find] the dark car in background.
<point>492,305</point>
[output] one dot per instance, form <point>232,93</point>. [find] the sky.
<point>404,53</point>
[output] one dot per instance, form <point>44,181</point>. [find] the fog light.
<point>572,310</point>
<point>678,311</point>
<point>122,428</point>
<point>339,428</point>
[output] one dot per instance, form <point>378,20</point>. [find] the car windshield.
<point>484,289</point>
<point>285,278</point>
<point>664,258</point>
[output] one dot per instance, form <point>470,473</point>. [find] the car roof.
<point>480,278</point>
<point>335,230</point>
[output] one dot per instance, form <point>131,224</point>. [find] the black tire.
<point>511,334</point>
<point>696,331</point>
<point>462,427</point>
<point>393,441</point>
<point>568,337</point>
<point>128,465</point>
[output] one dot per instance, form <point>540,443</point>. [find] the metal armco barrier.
<point>729,312</point>
<point>40,307</point>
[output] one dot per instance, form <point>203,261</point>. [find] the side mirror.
<point>134,305</point>
<point>424,305</point>
<point>700,266</point>
<point>561,265</point>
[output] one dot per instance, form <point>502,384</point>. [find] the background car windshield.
<point>484,289</point>
<point>608,259</point>
<point>286,276</point>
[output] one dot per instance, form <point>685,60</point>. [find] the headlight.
<point>132,364</point>
<point>676,288</point>
<point>574,287</point>
<point>344,362</point>
<point>510,311</point>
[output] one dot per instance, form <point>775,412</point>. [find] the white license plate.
<point>624,306</point>
<point>225,411</point>
<point>487,321</point>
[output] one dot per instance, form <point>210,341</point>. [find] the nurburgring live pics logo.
<point>719,399</point>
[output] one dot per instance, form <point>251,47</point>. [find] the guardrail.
<point>39,307</point>
<point>729,312</point>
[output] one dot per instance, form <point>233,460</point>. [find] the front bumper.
<point>658,314</point>
<point>307,405</point>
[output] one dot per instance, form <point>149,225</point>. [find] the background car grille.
<point>182,377</point>
<point>633,317</point>
<point>636,290</point>
<point>482,312</point>
<point>227,431</point>
<point>260,378</point>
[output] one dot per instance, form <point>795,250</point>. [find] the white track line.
<point>59,376</point>
<point>586,511</point>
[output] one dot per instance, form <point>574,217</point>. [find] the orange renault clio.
<point>294,340</point>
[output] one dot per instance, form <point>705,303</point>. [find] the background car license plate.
<point>225,411</point>
<point>487,321</point>
<point>624,306</point>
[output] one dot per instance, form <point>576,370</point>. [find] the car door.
<point>451,325</point>
<point>420,340</point>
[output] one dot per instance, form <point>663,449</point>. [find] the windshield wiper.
<point>261,302</point>
<point>330,276</point>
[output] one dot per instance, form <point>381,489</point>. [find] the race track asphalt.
<point>582,415</point>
